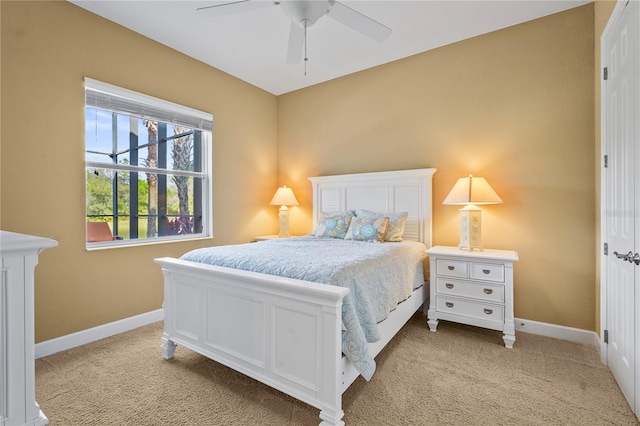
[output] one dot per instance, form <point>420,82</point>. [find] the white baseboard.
<point>69,341</point>
<point>49,347</point>
<point>558,331</point>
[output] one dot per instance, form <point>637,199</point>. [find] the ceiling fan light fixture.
<point>305,12</point>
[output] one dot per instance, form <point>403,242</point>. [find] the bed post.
<point>167,345</point>
<point>331,369</point>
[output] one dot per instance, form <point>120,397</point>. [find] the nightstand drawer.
<point>489,292</point>
<point>486,272</point>
<point>479,310</point>
<point>451,268</point>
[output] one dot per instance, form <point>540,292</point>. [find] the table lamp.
<point>284,197</point>
<point>470,191</point>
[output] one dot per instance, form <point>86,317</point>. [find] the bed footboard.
<point>283,332</point>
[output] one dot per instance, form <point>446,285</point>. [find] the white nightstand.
<point>474,288</point>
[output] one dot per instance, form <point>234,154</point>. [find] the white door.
<point>621,178</point>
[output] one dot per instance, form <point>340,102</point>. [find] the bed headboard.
<point>388,192</point>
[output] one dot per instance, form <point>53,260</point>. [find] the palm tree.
<point>181,155</point>
<point>152,178</point>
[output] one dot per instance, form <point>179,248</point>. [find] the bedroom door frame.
<point>605,286</point>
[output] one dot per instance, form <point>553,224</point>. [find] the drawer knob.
<point>488,311</point>
<point>449,285</point>
<point>486,271</point>
<point>450,305</point>
<point>488,291</point>
<point>451,268</point>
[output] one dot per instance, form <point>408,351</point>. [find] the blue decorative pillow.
<point>367,229</point>
<point>333,226</point>
<point>397,221</point>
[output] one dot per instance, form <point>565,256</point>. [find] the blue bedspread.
<point>379,276</point>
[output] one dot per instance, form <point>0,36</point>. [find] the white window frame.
<point>123,101</point>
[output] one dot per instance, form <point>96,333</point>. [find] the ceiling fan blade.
<point>296,44</point>
<point>359,22</point>
<point>231,7</point>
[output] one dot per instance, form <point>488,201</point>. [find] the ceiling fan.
<point>303,14</point>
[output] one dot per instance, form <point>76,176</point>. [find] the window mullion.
<point>138,169</point>
<point>114,179</point>
<point>133,178</point>
<point>162,180</point>
<point>197,183</point>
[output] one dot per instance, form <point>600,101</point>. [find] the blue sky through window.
<point>99,137</point>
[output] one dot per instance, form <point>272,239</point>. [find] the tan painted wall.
<point>602,13</point>
<point>47,50</point>
<point>515,106</point>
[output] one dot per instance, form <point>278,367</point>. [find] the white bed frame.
<point>284,332</point>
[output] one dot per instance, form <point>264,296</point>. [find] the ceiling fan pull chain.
<point>305,48</point>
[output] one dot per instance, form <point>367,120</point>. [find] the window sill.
<point>108,245</point>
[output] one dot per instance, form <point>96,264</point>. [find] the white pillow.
<point>397,221</point>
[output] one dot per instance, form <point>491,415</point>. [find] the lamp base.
<point>470,229</point>
<point>467,248</point>
<point>283,220</point>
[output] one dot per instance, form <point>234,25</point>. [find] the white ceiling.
<point>252,45</point>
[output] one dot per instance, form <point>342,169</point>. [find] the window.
<point>148,168</point>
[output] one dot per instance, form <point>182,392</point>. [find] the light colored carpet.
<point>459,375</point>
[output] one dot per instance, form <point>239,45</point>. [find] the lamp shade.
<point>284,197</point>
<point>472,190</point>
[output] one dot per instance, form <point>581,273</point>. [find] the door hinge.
<point>606,336</point>
<point>606,73</point>
<point>606,161</point>
<point>606,249</point>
